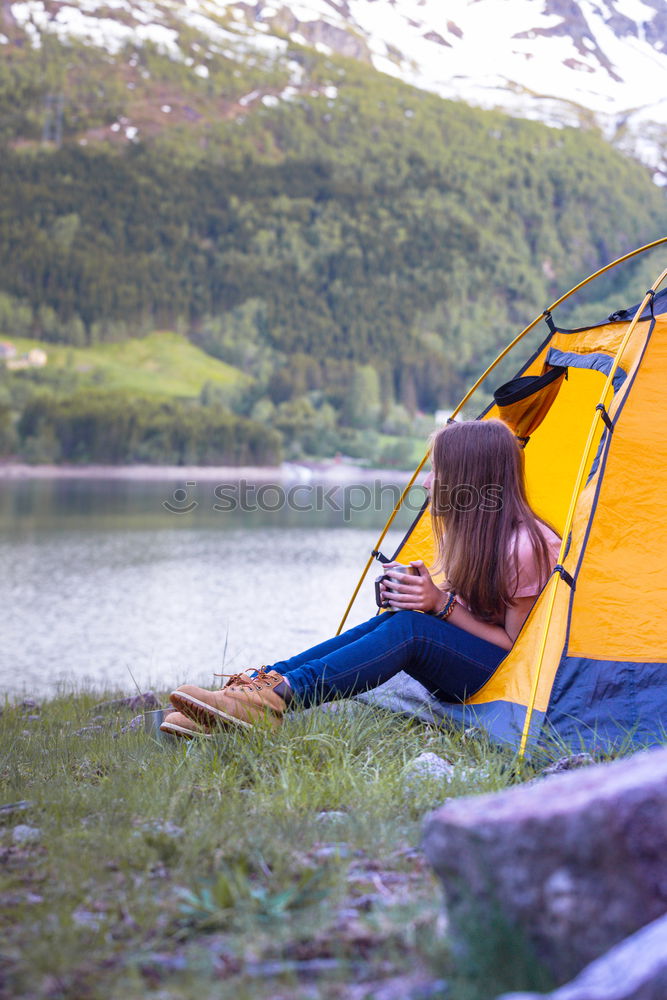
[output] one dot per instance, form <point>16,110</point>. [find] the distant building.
<point>37,358</point>
<point>34,358</point>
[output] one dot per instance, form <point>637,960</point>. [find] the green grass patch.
<point>162,364</point>
<point>253,863</point>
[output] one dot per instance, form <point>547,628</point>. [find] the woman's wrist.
<point>447,608</point>
<point>440,603</point>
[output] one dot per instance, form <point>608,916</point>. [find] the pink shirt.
<point>529,581</point>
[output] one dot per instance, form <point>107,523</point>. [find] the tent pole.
<point>520,336</point>
<point>468,395</point>
<point>583,466</point>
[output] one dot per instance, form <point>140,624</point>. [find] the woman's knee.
<point>404,623</point>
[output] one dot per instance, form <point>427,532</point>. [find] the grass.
<point>163,363</point>
<point>244,866</point>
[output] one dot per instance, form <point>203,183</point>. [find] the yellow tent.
<point>590,665</point>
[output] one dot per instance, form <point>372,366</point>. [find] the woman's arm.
<point>499,635</point>
<point>419,593</point>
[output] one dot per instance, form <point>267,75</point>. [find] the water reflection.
<point>101,584</point>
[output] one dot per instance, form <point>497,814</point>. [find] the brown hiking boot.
<point>243,701</point>
<point>179,724</point>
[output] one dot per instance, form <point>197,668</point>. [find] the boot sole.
<point>170,727</point>
<point>203,713</point>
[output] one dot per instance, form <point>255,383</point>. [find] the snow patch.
<point>103,32</point>
<point>296,71</point>
<point>636,10</point>
<point>207,26</point>
<point>501,55</point>
<point>164,39</point>
<point>270,44</point>
<point>249,98</point>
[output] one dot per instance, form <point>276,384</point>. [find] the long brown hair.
<point>478,503</point>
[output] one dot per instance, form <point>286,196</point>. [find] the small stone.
<point>309,967</point>
<point>331,816</point>
<point>410,853</point>
<point>146,701</point>
<point>11,807</point>
<point>133,725</point>
<point>474,775</point>
<point>84,918</point>
<point>88,731</point>
<point>410,987</point>
<point>10,900</point>
<point>424,771</point>
<point>160,962</point>
<point>159,871</point>
<point>568,764</point>
<point>29,704</point>
<point>161,827</point>
<point>24,834</point>
<point>327,852</point>
<point>34,718</point>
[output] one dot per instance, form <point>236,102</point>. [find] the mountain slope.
<point>359,247</point>
<point>559,61</point>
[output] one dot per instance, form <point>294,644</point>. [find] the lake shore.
<point>337,472</point>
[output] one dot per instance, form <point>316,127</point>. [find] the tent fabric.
<point>524,402</point>
<point>603,678</point>
<point>595,360</point>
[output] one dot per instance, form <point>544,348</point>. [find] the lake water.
<point>102,585</point>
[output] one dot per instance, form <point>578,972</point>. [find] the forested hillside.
<point>359,257</point>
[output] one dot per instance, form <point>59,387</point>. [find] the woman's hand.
<point>411,591</point>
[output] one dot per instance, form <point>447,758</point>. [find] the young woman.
<point>495,554</point>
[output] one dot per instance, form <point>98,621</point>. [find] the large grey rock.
<point>636,969</point>
<point>577,862</point>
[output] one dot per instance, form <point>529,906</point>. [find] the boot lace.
<point>243,679</point>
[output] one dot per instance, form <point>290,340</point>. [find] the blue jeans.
<point>451,663</point>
